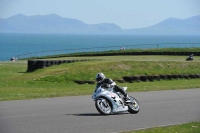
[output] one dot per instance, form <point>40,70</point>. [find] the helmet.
<point>100,77</point>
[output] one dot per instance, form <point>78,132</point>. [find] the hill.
<point>172,26</point>
<point>55,24</point>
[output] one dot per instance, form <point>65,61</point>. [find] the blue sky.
<point>125,13</point>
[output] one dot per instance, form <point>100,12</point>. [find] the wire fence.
<point>107,48</point>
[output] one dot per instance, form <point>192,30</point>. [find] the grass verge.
<point>58,80</point>
<point>192,127</point>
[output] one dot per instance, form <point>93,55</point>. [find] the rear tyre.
<point>103,105</point>
<point>133,107</point>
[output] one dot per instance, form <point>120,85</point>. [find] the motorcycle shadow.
<point>97,114</point>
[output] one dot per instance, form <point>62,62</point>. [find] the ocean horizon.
<point>17,44</point>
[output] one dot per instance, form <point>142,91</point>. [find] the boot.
<point>127,98</point>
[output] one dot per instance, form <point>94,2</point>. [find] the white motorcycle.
<point>107,102</point>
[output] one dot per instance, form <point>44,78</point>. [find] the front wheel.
<point>103,106</point>
<point>133,107</point>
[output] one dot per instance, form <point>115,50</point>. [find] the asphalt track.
<point>78,114</point>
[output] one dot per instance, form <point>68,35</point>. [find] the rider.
<point>102,80</point>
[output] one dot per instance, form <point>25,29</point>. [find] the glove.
<point>112,85</point>
<point>106,85</point>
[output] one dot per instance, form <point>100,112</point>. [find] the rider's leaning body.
<point>107,82</point>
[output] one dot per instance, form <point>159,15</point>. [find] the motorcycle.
<point>190,58</point>
<point>107,102</point>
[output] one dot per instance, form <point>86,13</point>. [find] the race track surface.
<point>77,114</point>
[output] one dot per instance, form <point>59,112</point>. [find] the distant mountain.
<point>55,24</point>
<point>171,26</point>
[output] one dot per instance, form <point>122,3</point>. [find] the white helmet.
<point>100,77</point>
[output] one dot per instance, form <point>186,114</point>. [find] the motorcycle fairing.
<point>117,103</point>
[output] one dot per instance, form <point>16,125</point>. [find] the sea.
<point>21,45</point>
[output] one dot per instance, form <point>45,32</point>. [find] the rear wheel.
<point>133,107</point>
<point>103,105</point>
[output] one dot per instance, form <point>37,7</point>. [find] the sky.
<point>127,14</point>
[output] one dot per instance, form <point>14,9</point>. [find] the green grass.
<point>116,67</point>
<point>191,49</point>
<point>192,127</point>
<point>57,81</point>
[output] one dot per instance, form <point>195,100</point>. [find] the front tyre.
<point>103,105</point>
<point>133,107</point>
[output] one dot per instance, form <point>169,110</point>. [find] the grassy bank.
<point>158,51</point>
<point>58,80</point>
<point>192,127</point>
